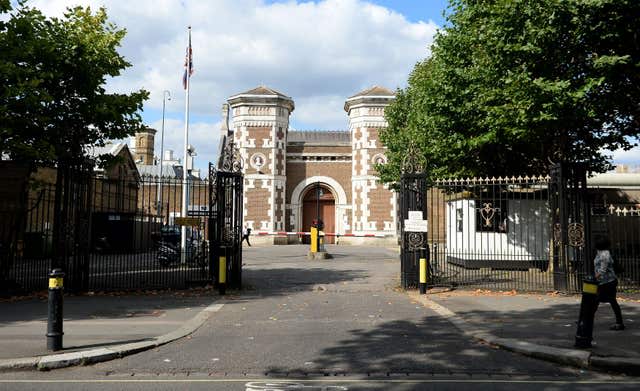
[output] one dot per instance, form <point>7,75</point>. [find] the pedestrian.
<point>607,280</point>
<point>245,235</point>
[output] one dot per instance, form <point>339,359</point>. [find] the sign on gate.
<point>415,222</point>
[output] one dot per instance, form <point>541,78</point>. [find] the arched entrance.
<point>318,201</point>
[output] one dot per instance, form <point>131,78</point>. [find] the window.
<point>491,216</point>
<point>459,219</point>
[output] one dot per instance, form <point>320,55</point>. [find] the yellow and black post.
<point>424,259</point>
<point>222,274</point>
<point>315,240</point>
<point>588,306</point>
<point>54,321</point>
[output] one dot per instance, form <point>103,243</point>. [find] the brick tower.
<point>260,121</point>
<point>143,151</point>
<point>374,205</point>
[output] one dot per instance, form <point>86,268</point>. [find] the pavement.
<point>543,326</point>
<point>99,327</point>
<point>105,327</point>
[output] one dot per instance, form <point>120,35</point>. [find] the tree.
<point>514,85</point>
<point>53,71</point>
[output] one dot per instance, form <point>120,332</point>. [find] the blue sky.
<point>317,52</point>
<point>416,10</point>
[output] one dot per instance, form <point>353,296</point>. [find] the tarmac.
<point>101,327</point>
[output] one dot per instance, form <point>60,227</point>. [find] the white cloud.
<point>328,107</point>
<point>330,47</point>
<point>317,52</point>
<point>203,136</point>
<point>631,156</point>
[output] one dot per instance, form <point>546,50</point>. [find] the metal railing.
<point>133,241</point>
<point>496,233</point>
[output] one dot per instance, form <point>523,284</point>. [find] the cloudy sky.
<point>317,52</point>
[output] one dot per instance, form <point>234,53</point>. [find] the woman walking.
<point>607,280</point>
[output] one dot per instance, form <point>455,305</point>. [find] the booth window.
<point>459,219</point>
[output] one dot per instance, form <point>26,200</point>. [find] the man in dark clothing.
<point>245,235</point>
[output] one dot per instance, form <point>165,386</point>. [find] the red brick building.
<point>291,177</point>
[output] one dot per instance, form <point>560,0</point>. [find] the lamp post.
<point>166,95</point>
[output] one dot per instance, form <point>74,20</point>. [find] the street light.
<point>166,95</point>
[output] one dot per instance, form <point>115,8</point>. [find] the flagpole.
<point>185,176</point>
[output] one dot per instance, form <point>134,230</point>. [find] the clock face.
<point>258,160</point>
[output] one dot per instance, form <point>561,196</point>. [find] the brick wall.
<point>257,206</point>
<point>297,172</point>
<point>261,137</point>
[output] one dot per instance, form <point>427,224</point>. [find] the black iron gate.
<point>517,233</point>
<point>225,218</point>
<point>71,223</point>
<point>570,214</point>
<point>413,245</point>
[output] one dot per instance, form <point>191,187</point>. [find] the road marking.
<point>284,386</point>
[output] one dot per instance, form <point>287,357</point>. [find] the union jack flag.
<point>188,64</point>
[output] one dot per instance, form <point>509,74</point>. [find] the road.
<point>339,324</point>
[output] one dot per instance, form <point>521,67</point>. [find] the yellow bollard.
<point>222,275</point>
<point>314,239</point>
<point>423,275</point>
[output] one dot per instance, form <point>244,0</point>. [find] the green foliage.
<point>513,85</point>
<point>53,71</point>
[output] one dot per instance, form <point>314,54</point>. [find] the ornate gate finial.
<point>414,161</point>
<point>231,159</point>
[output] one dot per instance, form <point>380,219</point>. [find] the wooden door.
<point>325,205</point>
<point>328,213</point>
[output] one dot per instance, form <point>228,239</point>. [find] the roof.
<point>261,90</point>
<point>319,136</point>
<point>262,95</point>
<point>374,91</point>
<point>375,96</point>
<point>112,149</point>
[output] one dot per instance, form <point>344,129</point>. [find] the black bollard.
<point>54,321</point>
<point>584,334</point>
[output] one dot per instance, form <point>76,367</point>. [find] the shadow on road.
<point>281,281</point>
